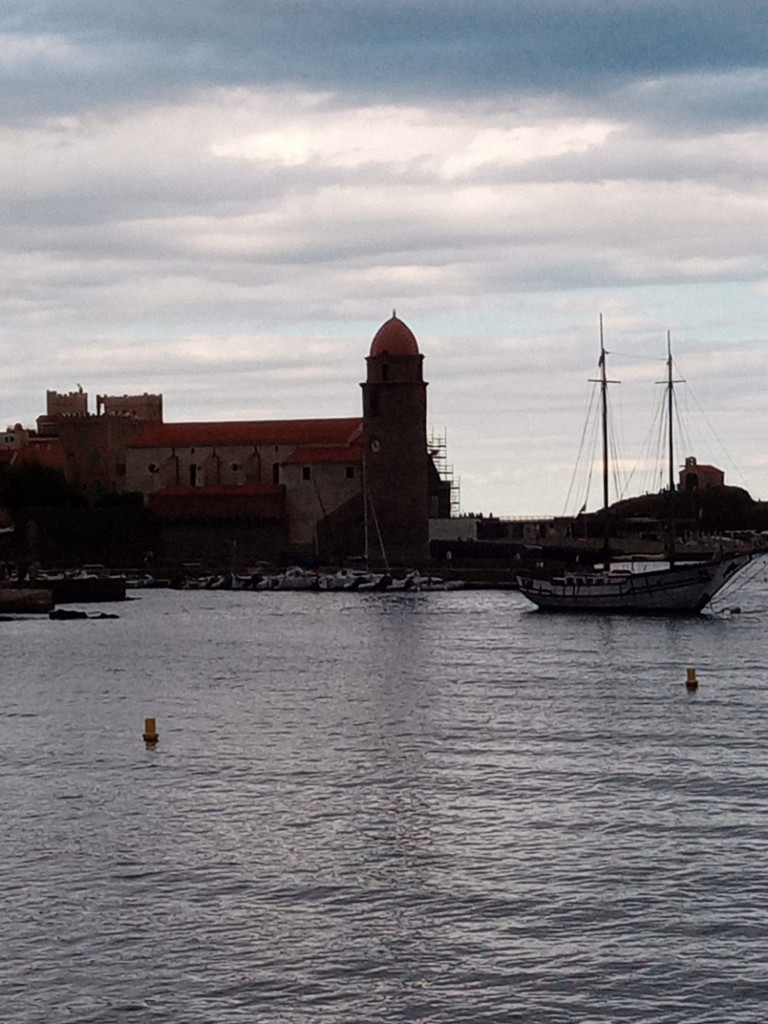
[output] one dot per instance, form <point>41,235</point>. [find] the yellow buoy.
<point>150,732</point>
<point>691,682</point>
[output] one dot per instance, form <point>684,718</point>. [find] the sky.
<point>222,200</point>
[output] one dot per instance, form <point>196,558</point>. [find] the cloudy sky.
<point>221,200</point>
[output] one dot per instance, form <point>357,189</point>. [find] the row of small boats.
<point>298,578</point>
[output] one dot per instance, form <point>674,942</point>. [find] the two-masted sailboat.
<point>676,589</point>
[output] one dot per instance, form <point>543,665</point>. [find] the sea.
<point>376,808</point>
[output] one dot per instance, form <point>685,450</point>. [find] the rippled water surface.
<point>382,808</point>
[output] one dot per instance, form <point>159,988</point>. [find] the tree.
<point>34,486</point>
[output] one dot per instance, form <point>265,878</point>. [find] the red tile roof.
<point>305,456</point>
<point>190,435</point>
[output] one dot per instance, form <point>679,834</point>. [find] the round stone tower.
<point>395,477</point>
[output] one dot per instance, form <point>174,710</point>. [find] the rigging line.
<point>654,443</point>
<point>622,475</point>
<point>614,446</point>
<point>649,459</point>
<point>587,422</point>
<point>736,583</point>
<point>365,512</point>
<point>667,415</point>
<point>660,455</point>
<point>716,436</point>
<point>596,450</point>
<point>694,438</point>
<point>674,429</point>
<point>593,453</point>
<point>630,475</point>
<point>326,519</point>
<point>635,355</point>
<point>690,395</point>
<point>592,456</point>
<point>615,436</point>
<point>682,432</point>
<point>617,441</point>
<point>378,533</point>
<point>699,440</point>
<point>679,427</point>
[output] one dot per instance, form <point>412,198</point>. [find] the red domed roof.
<point>394,338</point>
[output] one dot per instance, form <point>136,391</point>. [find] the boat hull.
<point>68,590</point>
<point>679,590</point>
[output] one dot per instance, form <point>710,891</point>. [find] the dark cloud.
<point>144,50</point>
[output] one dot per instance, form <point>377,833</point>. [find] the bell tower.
<point>395,460</point>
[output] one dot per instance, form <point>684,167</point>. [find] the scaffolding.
<point>438,450</point>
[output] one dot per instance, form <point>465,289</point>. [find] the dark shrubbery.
<point>33,486</point>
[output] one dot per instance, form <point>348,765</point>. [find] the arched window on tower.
<point>275,472</point>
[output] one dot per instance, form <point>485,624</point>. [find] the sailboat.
<point>676,589</point>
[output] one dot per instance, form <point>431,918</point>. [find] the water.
<point>383,808</point>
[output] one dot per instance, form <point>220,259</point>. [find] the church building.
<point>360,486</point>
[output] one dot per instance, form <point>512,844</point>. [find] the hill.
<point>712,510</point>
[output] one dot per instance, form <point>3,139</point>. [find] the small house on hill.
<point>695,477</point>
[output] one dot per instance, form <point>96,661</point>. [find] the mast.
<point>671,452</point>
<point>604,417</point>
<point>603,381</point>
<point>365,512</point>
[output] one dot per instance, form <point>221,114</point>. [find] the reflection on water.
<point>363,808</point>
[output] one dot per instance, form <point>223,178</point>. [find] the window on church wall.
<point>193,476</point>
<point>385,372</point>
<point>374,402</point>
<point>306,473</point>
<point>275,472</point>
<point>350,472</point>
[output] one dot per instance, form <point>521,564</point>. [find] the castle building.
<point>357,486</point>
<point>92,448</point>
